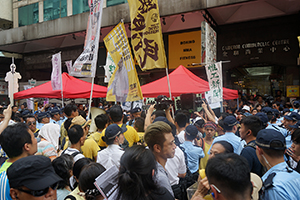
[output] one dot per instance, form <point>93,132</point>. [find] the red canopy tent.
<point>72,88</point>
<point>182,81</point>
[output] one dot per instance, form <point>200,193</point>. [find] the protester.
<point>131,136</point>
<point>138,166</point>
<point>63,167</point>
<point>71,111</point>
<point>228,177</point>
<point>280,181</point>
<point>180,123</point>
<point>112,154</point>
<point>87,178</point>
<point>160,140</point>
<point>31,123</point>
<point>206,142</point>
<point>139,127</point>
<point>49,135</point>
<point>31,178</point>
<point>77,138</point>
<point>249,128</point>
<point>18,142</point>
<point>101,122</point>
<point>294,151</point>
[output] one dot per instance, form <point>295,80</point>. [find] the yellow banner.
<point>124,84</point>
<point>146,35</point>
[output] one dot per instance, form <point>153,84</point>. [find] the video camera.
<point>162,102</point>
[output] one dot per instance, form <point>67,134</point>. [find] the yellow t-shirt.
<point>204,160</point>
<point>90,148</point>
<point>131,136</point>
<point>141,136</point>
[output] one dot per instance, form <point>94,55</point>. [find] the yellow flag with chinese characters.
<point>124,84</point>
<point>146,35</point>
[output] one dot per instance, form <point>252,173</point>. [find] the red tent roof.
<point>72,88</point>
<point>182,81</point>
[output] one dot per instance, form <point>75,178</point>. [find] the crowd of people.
<point>251,151</point>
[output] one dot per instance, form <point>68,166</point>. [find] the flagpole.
<point>62,92</point>
<point>90,103</point>
<point>169,87</point>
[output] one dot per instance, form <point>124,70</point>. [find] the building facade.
<point>258,38</point>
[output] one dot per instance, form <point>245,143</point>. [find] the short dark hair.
<point>75,133</point>
<point>296,135</point>
<point>155,134</point>
<point>181,120</point>
<point>253,123</point>
<point>230,173</point>
<point>159,113</point>
<point>13,138</point>
<point>82,113</point>
<point>139,124</point>
<point>101,121</point>
<point>116,113</point>
<point>69,109</point>
<point>62,166</point>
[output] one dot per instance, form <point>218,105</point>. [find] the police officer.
<point>280,181</point>
<point>290,119</point>
<point>55,116</point>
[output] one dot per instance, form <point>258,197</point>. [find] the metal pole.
<point>169,87</point>
<point>62,92</point>
<point>90,103</point>
<point>13,87</point>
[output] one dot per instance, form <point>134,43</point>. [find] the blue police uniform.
<point>194,154</point>
<point>281,182</point>
<point>278,128</point>
<point>234,140</point>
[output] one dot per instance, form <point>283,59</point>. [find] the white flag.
<point>69,65</point>
<point>214,76</point>
<point>85,64</point>
<point>109,68</point>
<point>56,72</point>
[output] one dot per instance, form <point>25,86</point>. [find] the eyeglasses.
<point>39,193</point>
<point>31,123</point>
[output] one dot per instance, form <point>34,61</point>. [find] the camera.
<point>162,102</point>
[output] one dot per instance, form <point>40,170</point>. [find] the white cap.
<point>246,108</point>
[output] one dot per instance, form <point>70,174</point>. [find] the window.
<point>114,2</point>
<point>80,6</point>
<point>54,9</point>
<point>28,14</point>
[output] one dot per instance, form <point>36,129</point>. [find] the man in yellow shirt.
<point>116,115</point>
<point>101,122</point>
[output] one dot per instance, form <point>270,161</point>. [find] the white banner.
<point>208,97</point>
<point>85,64</point>
<point>109,68</point>
<point>56,72</point>
<point>214,76</point>
<point>30,103</point>
<point>208,43</point>
<point>69,65</point>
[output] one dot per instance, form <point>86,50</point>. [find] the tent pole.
<point>62,92</point>
<point>169,87</point>
<point>90,103</point>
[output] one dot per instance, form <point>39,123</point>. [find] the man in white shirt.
<point>112,154</point>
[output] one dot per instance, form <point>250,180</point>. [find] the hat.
<point>230,121</point>
<point>296,103</point>
<point>297,125</point>
<point>26,113</point>
<point>191,130</point>
<point>33,172</point>
<point>211,125</point>
<point>270,139</point>
<point>113,131</point>
<point>135,110</point>
<point>42,115</point>
<point>246,108</point>
<point>266,109</point>
<point>263,117</point>
<point>79,120</point>
<point>286,110</point>
<point>292,116</point>
<point>54,110</point>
